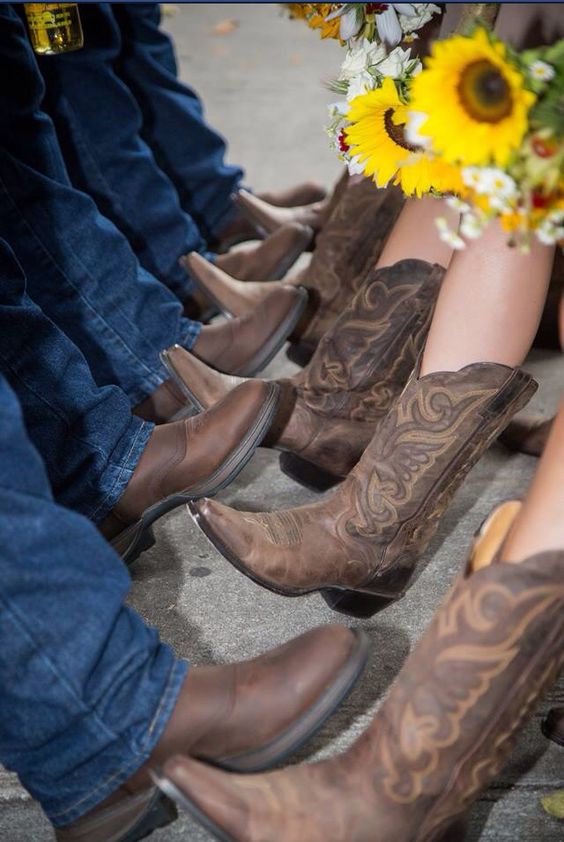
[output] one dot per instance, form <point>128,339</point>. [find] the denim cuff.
<point>132,759</point>
<point>120,467</point>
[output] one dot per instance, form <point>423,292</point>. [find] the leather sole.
<point>306,726</point>
<point>273,344</point>
<point>138,537</point>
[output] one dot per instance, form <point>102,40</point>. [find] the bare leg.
<point>490,304</point>
<point>540,523</point>
<point>415,233</point>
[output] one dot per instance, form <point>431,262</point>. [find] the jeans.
<point>80,270</point>
<point>98,122</point>
<point>87,437</point>
<point>86,688</point>
<point>190,152</point>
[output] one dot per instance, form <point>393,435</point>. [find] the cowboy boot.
<point>346,250</point>
<point>553,725</point>
<point>528,434</point>
<point>442,735</point>
<point>246,716</point>
<point>270,259</point>
<point>186,459</point>
<point>268,215</point>
<point>246,344</point>
<point>328,412</point>
<point>360,546</point>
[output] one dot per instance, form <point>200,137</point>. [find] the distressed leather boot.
<point>360,546</point>
<point>527,434</point>
<point>270,259</point>
<point>553,726</point>
<point>246,716</point>
<point>446,729</point>
<point>328,412</point>
<point>246,344</point>
<point>346,250</point>
<point>269,218</point>
<point>186,459</point>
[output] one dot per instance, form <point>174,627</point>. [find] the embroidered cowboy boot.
<point>445,731</point>
<point>328,411</point>
<point>360,546</point>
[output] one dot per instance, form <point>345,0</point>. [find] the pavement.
<point>261,77</point>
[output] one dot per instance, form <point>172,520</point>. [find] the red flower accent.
<point>374,8</point>
<point>543,148</point>
<point>540,201</point>
<point>341,140</point>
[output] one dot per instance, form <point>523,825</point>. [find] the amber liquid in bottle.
<point>54,27</point>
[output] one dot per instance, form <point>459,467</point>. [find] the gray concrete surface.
<point>262,85</point>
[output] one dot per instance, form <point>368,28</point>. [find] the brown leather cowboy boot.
<point>328,412</point>
<point>245,716</point>
<point>444,732</point>
<point>527,434</point>
<point>269,218</point>
<point>186,459</point>
<point>270,259</point>
<point>346,250</point>
<point>360,546</point>
<point>246,344</point>
<point>553,725</point>
<point>166,403</point>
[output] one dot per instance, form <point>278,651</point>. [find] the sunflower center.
<point>484,92</point>
<point>396,132</point>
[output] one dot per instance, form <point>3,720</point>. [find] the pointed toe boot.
<point>528,434</point>
<point>269,218</point>
<point>272,258</point>
<point>187,459</point>
<point>304,193</point>
<point>360,546</point>
<point>446,729</point>
<point>328,412</point>
<point>245,345</point>
<point>247,717</point>
<point>233,297</point>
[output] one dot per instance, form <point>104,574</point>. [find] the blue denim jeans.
<point>86,688</point>
<point>87,437</point>
<point>190,152</point>
<point>80,270</point>
<point>98,122</point>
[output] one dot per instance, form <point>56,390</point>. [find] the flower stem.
<point>473,13</point>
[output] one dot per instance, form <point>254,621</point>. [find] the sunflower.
<point>376,132</point>
<point>475,100</point>
<point>376,139</point>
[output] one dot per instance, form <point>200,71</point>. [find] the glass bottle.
<point>54,27</point>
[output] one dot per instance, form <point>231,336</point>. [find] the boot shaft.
<point>364,361</point>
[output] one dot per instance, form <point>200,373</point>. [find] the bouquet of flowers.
<point>479,121</point>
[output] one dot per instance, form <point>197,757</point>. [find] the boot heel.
<point>300,353</point>
<point>145,542</point>
<point>162,812</point>
<point>306,473</point>
<point>354,603</point>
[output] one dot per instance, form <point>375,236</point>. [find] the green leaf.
<point>554,804</point>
